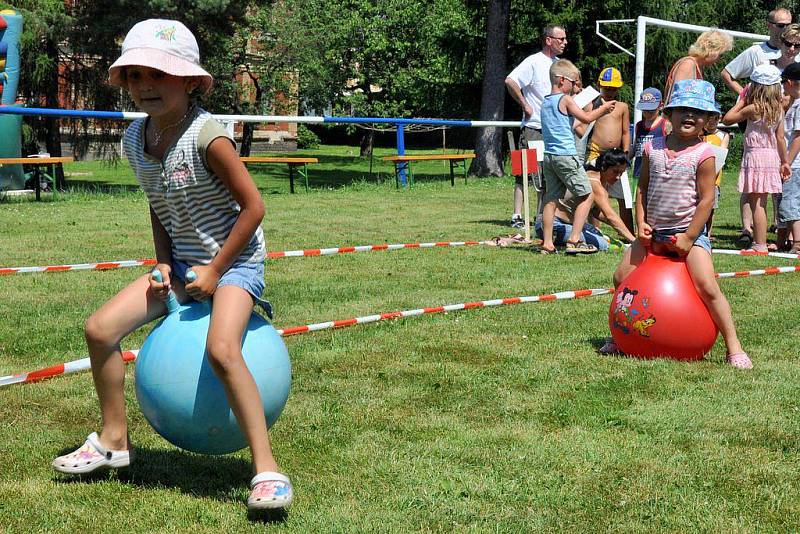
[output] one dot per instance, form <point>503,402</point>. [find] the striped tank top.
<point>191,202</point>
<point>672,190</point>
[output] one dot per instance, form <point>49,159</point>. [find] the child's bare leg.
<point>633,256</point>
<point>581,215</point>
<point>747,213</point>
<point>758,204</point>
<point>548,216</point>
<point>795,226</point>
<point>129,309</point>
<point>229,318</point>
<point>701,269</point>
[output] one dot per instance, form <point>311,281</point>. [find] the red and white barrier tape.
<point>103,266</point>
<point>83,364</point>
<point>368,248</point>
<point>74,366</point>
<point>786,255</point>
<point>761,272</point>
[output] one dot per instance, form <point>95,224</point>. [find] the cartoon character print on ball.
<point>629,317</point>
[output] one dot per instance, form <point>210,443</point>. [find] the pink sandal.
<point>740,360</point>
<point>270,490</point>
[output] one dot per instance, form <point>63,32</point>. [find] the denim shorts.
<point>248,276</point>
<point>665,236</point>
<point>789,210</point>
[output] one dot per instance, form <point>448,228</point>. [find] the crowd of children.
<point>677,150</point>
<point>767,105</point>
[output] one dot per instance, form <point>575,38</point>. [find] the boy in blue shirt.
<point>561,167</point>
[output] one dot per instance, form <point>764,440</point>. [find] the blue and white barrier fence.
<point>400,123</point>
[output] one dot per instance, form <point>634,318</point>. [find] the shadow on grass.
<point>194,474</point>
<point>217,477</point>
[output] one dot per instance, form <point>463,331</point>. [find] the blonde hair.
<point>767,100</point>
<point>792,31</point>
<point>565,68</point>
<point>711,42</point>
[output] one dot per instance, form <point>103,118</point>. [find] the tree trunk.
<point>247,139</point>
<point>488,141</point>
<point>366,143</point>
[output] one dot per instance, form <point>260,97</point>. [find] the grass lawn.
<point>501,419</point>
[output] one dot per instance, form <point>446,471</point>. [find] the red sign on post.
<point>516,161</point>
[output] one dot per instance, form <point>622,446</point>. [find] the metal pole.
<point>401,150</point>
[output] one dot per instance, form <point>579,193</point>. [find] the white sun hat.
<point>161,44</point>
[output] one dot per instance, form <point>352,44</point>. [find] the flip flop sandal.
<point>91,456</point>
<point>270,490</point>
<point>740,360</point>
<point>547,251</point>
<point>580,247</point>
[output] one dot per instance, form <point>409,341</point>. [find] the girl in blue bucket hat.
<point>673,202</point>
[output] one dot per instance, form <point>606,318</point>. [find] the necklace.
<point>158,133</point>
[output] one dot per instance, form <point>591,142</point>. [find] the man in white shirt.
<point>528,84</point>
<point>760,53</point>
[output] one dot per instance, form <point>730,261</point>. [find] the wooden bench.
<point>301,164</point>
<point>37,173</point>
<point>402,163</point>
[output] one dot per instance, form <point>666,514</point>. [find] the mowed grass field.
<point>501,419</point>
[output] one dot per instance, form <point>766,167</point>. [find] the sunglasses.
<point>559,39</point>
<point>780,25</point>
<point>790,44</point>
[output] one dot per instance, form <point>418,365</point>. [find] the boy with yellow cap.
<point>611,130</point>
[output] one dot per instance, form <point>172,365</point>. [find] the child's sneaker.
<point>270,490</point>
<point>517,221</point>
<point>91,456</point>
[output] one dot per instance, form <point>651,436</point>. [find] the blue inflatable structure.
<point>11,176</point>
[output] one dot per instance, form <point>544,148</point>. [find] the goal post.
<point>641,44</point>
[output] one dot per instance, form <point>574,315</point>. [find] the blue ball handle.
<point>172,301</point>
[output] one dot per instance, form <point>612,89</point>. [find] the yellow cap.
<point>610,77</point>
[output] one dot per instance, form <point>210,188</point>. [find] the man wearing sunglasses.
<point>760,53</point>
<point>528,84</point>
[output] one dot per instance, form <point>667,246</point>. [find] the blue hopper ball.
<point>181,396</point>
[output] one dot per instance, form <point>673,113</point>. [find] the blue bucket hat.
<point>695,94</point>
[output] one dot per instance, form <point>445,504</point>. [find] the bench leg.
<point>291,179</point>
<point>452,174</point>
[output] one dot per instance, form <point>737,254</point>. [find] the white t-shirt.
<point>791,125</point>
<point>533,78</point>
<point>743,65</point>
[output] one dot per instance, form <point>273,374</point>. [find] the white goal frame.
<point>641,31</point>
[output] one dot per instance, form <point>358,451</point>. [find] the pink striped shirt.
<point>672,191</point>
